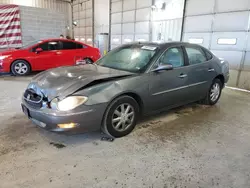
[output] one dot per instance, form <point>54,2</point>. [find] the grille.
<point>33,99</point>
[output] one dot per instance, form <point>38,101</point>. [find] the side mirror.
<point>164,68</point>
<point>38,50</point>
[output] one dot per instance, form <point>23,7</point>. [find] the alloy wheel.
<point>215,92</point>
<point>21,68</point>
<point>123,117</point>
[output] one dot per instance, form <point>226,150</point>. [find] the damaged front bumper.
<point>84,119</point>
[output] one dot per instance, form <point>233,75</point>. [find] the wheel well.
<point>22,60</point>
<point>137,99</point>
<point>221,78</point>
<point>89,58</point>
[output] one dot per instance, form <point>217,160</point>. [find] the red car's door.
<point>50,57</point>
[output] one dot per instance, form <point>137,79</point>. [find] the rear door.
<point>200,73</point>
<point>169,88</point>
<point>71,52</point>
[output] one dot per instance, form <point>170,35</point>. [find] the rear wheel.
<point>120,117</point>
<point>20,68</point>
<point>214,93</point>
<point>88,61</point>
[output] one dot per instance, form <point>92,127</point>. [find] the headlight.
<point>68,103</point>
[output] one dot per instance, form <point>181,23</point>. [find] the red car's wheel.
<point>20,68</point>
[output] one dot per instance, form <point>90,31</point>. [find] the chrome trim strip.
<point>170,90</point>
<point>178,88</point>
<point>198,83</point>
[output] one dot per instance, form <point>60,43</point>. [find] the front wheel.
<point>120,117</point>
<point>214,93</point>
<point>20,68</point>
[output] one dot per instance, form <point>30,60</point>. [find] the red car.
<point>46,54</point>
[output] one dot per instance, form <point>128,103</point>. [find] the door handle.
<point>211,70</point>
<point>183,76</point>
<point>58,53</point>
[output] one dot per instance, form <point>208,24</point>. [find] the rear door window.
<point>69,46</point>
<point>195,55</point>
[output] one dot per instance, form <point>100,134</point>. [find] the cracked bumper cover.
<point>88,118</point>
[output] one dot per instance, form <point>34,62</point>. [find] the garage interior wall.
<point>223,27</point>
<point>41,23</point>
<point>83,15</point>
<point>43,18</point>
<point>130,21</point>
<point>167,20</point>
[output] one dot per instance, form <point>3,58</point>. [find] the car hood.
<point>63,81</point>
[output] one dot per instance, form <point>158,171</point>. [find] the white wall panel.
<point>128,28</point>
<point>236,21</point>
<point>142,27</point>
<point>116,7</point>
<point>89,22</point>
<point>233,57</point>
<point>82,23</point>
<point>143,14</point>
<point>205,37</point>
<point>198,7</point>
<point>75,8</point>
<point>116,29</point>
<point>82,6</point>
<point>226,6</point>
<point>141,38</point>
<point>198,23</point>
<point>82,14</point>
<point>248,42</point>
<point>129,16</point>
<point>88,4</point>
<point>88,31</point>
<point>247,62</point>
<point>116,18</point>
<point>128,5</point>
<point>88,13</point>
<point>127,38</point>
<point>143,3</point>
<point>116,39</point>
<point>240,44</point>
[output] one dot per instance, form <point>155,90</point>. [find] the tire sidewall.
<point>16,73</point>
<point>209,92</point>
<point>107,122</point>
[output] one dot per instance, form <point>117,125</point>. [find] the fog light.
<point>67,126</point>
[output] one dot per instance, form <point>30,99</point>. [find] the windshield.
<point>132,59</point>
<point>30,44</point>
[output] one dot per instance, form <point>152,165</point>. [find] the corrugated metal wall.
<point>223,27</point>
<point>83,15</point>
<point>57,5</point>
<point>167,22</point>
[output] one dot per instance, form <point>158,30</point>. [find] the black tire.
<point>107,125</point>
<point>26,68</point>
<point>208,99</point>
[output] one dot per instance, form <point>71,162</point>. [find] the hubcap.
<point>123,117</point>
<point>215,92</point>
<point>21,68</point>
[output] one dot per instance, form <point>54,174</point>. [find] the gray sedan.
<point>130,81</point>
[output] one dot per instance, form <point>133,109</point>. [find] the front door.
<point>169,88</point>
<point>48,58</point>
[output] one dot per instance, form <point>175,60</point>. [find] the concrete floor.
<point>194,146</point>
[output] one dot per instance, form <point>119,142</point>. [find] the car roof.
<point>160,45</point>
